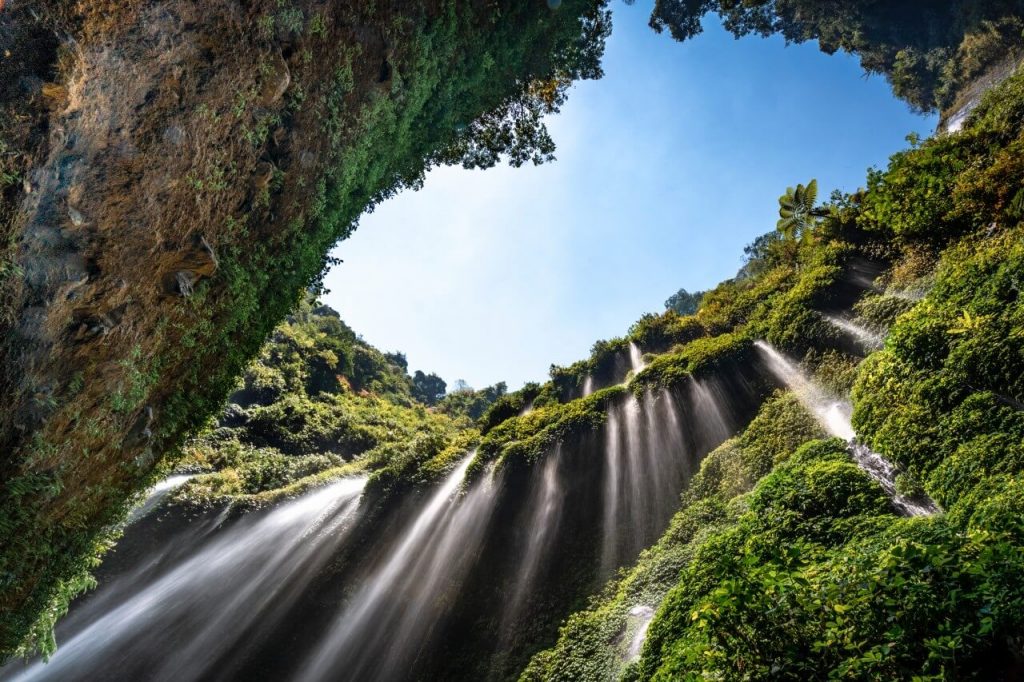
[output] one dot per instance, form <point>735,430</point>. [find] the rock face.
<point>180,170</point>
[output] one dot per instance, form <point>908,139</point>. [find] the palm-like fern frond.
<point>797,213</point>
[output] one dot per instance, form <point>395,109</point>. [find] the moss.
<point>524,440</point>
<point>701,357</point>
<point>341,142</point>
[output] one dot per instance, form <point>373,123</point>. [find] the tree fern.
<point>797,213</point>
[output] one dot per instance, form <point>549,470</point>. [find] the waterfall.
<point>868,339</point>
<point>714,425</point>
<point>588,385</point>
<point>907,294</point>
<point>613,458</point>
<point>197,617</point>
<point>834,416</point>
<point>315,589</point>
<point>885,473</point>
<point>646,464</point>
<point>636,359</point>
<point>157,493</point>
<point>640,616</point>
<point>527,409</point>
<point>545,502</point>
<point>379,631</point>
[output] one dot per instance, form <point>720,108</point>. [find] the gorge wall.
<point>174,174</point>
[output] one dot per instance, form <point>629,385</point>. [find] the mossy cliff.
<point>173,176</point>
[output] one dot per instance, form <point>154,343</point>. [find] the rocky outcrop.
<point>181,170</point>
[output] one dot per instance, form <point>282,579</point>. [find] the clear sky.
<point>665,169</point>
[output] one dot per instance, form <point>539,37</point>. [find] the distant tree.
<point>761,255</point>
<point>398,359</point>
<point>492,393</point>
<point>683,302</point>
<point>464,401</point>
<point>428,388</point>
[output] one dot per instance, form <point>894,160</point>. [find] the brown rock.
<point>276,81</point>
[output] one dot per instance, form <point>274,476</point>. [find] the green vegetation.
<point>317,403</point>
<point>930,51</point>
<point>786,560</point>
<point>295,149</point>
<point>594,643</point>
<point>684,302</point>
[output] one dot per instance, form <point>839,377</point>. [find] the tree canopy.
<point>684,302</point>
<point>928,50</point>
<point>428,388</point>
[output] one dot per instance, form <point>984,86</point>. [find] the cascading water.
<point>527,409</point>
<point>708,401</point>
<point>640,617</point>
<point>885,473</point>
<point>380,630</point>
<point>636,358</point>
<point>588,385</point>
<point>197,617</point>
<point>317,590</point>
<point>907,294</point>
<point>545,503</point>
<point>646,464</point>
<point>834,416</point>
<point>157,493</point>
<point>868,339</point>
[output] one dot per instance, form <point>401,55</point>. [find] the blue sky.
<point>665,169</point>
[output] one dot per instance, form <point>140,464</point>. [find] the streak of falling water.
<point>394,609</point>
<point>545,501</point>
<point>885,473</point>
<point>641,615</point>
<point>646,465</point>
<point>663,467</point>
<point>528,408</point>
<point>834,416</point>
<point>636,463</point>
<point>180,625</point>
<point>868,339</point>
<point>157,493</point>
<point>588,385</point>
<point>636,358</point>
<point>907,294</point>
<point>707,404</point>
<point>612,476</point>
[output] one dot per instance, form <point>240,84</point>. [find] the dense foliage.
<point>786,560</point>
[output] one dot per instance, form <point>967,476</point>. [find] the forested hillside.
<point>787,561</point>
<point>318,403</point>
<point>793,552</point>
